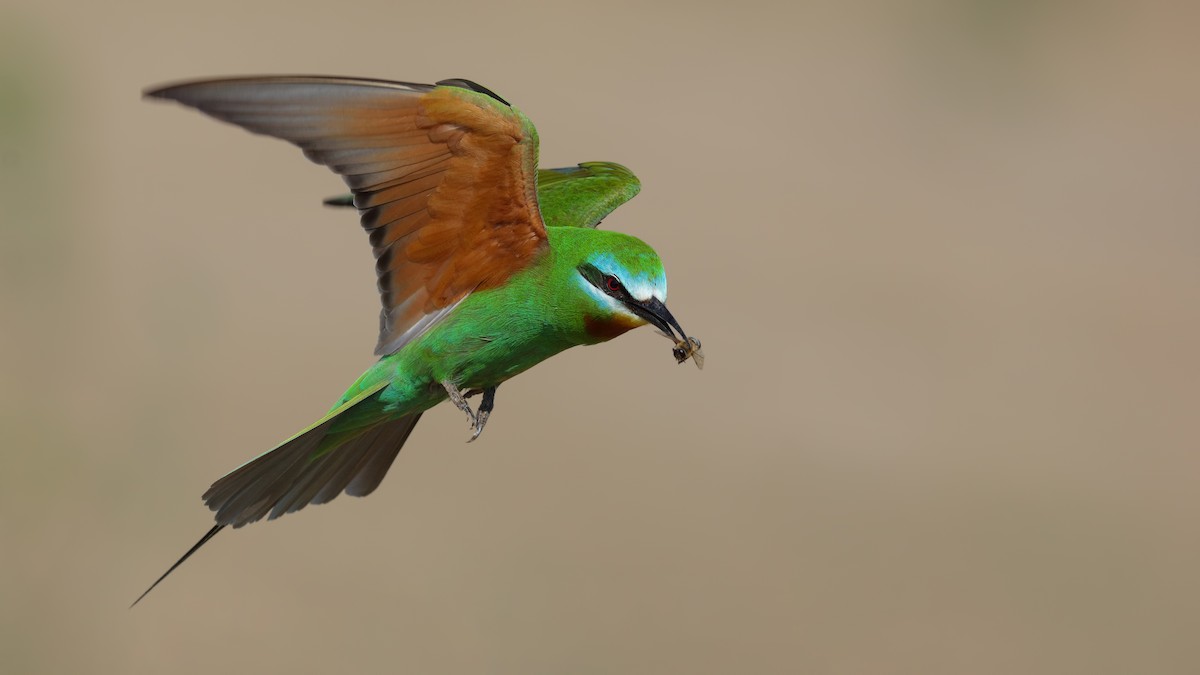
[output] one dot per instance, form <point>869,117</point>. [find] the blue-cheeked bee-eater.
<point>486,265</point>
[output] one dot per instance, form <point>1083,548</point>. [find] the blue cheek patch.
<point>641,285</point>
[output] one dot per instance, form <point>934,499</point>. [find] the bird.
<point>486,265</point>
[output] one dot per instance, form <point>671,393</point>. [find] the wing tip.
<point>172,90</point>
<point>161,91</point>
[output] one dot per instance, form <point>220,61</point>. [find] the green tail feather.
<point>350,450</point>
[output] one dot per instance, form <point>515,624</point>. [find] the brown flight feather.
<point>444,177</point>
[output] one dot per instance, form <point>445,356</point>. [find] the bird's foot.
<point>460,401</point>
<point>485,411</point>
<point>478,419</point>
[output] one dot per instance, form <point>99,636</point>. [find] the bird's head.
<point>624,287</point>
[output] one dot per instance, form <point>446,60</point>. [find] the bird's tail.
<point>350,449</point>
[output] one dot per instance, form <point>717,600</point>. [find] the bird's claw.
<point>460,401</point>
<point>480,420</point>
<point>475,420</point>
<point>485,411</point>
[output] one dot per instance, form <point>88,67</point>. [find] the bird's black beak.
<point>654,311</point>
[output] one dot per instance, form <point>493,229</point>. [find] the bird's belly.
<point>473,355</point>
<point>484,342</point>
<point>486,361</point>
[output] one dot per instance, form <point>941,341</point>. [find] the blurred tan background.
<point>944,258</point>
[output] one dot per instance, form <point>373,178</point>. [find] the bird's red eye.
<point>612,284</point>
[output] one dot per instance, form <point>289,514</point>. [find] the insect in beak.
<point>655,312</point>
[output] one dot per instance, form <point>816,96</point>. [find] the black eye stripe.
<point>608,283</point>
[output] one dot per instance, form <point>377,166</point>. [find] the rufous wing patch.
<point>444,177</point>
<point>468,220</point>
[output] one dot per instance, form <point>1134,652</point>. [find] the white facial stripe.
<point>643,289</point>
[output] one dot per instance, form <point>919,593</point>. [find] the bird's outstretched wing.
<point>443,175</point>
<point>571,196</point>
<point>581,196</point>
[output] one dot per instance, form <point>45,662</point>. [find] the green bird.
<point>486,266</point>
